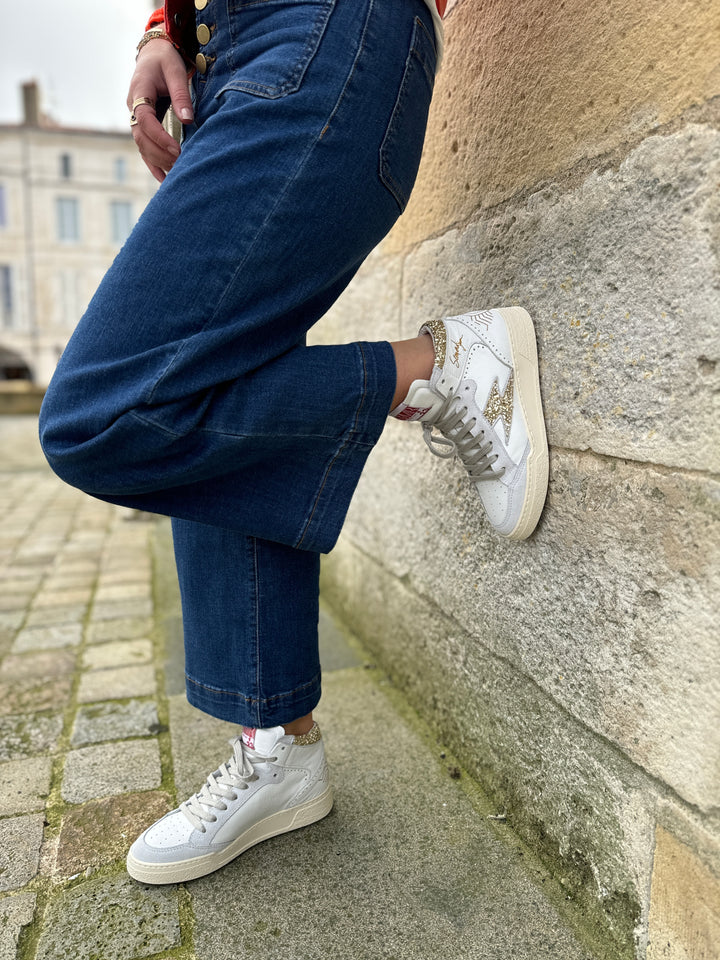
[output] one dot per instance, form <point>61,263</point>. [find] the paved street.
<point>97,741</point>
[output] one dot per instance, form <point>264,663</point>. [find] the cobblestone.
<point>117,684</point>
<point>20,840</point>
<point>113,721</point>
<point>24,785</point>
<point>107,770</point>
<point>15,913</point>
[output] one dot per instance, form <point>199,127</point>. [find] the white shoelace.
<point>223,785</point>
<point>473,450</point>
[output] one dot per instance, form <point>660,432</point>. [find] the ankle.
<point>297,728</point>
<point>414,360</point>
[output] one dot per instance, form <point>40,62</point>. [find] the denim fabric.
<point>187,388</point>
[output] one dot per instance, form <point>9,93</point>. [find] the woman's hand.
<point>160,72</point>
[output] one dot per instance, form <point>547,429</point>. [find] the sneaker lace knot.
<point>456,438</point>
<point>223,785</point>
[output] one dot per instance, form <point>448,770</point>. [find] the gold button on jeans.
<point>201,63</point>
<point>203,33</point>
<point>200,4</point>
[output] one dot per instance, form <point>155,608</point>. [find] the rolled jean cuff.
<point>327,514</point>
<point>254,712</point>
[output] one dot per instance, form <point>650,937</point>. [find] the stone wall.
<point>572,166</point>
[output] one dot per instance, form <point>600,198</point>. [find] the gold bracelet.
<point>156,34</point>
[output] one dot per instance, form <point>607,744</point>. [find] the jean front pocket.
<point>273,42</point>
<point>401,149</point>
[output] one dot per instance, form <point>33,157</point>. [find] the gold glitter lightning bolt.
<point>499,406</point>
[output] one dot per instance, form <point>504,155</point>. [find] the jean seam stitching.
<point>256,612</point>
<point>258,700</point>
<point>347,440</point>
<point>351,74</point>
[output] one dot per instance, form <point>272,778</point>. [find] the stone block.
<point>101,831</point>
<point>48,638</point>
<point>95,772</point>
<point>62,598</point>
<point>619,273</point>
<point>114,721</point>
<point>133,607</point>
<point>32,694</point>
<point>120,653</point>
<point>20,840</point>
<point>107,918</point>
<point>24,785</point>
<point>15,913</point>
<point>27,666</point>
<point>30,735</point>
<point>117,684</point>
<point>684,904</point>
<point>529,92</point>
<point>123,628</point>
<point>49,616</point>
<point>611,607</point>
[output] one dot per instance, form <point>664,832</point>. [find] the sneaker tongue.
<point>262,739</point>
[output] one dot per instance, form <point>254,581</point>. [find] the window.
<point>68,219</point>
<point>120,167</point>
<point>65,166</point>
<point>121,221</point>
<point>70,306</point>
<point>7,317</point>
<point>3,206</point>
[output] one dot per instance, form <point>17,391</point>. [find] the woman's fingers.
<point>160,72</point>
<point>157,148</point>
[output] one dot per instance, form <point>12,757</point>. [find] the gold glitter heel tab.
<point>436,329</point>
<point>307,739</point>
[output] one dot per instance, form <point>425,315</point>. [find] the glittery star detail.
<point>499,406</point>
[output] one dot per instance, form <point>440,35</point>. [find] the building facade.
<point>68,200</point>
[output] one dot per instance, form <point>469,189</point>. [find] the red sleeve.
<point>157,18</point>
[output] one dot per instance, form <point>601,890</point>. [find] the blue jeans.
<point>187,388</point>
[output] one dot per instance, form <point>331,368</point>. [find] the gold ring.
<point>141,100</point>
<point>133,120</point>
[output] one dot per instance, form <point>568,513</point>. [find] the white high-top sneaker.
<point>273,783</point>
<point>483,398</point>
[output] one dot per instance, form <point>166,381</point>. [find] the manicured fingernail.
<point>174,150</point>
<point>186,114</point>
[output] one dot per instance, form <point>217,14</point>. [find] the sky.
<point>81,52</point>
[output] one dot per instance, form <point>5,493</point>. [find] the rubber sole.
<point>521,332</point>
<point>281,822</point>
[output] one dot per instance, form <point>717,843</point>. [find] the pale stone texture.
<point>113,721</point>
<point>684,904</point>
<point>24,785</point>
<point>118,654</point>
<point>577,608</point>
<point>28,735</point>
<point>20,839</point>
<point>620,275</point>
<point>529,90</point>
<point>94,772</point>
<point>15,913</point>
<point>114,918</point>
<point>116,684</point>
<point>124,628</point>
<point>101,831</point>
<point>48,638</point>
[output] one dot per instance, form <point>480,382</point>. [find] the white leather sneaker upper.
<point>255,783</point>
<point>477,401</point>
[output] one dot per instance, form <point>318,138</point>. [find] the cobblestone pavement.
<point>97,741</point>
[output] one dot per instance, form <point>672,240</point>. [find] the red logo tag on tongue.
<point>248,737</point>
